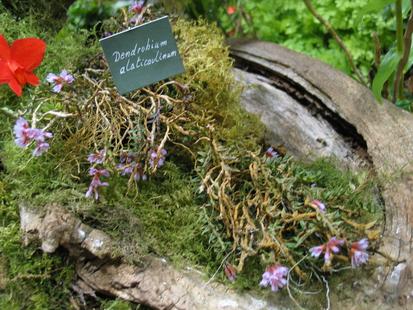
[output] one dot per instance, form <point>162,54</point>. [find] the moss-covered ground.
<point>175,214</point>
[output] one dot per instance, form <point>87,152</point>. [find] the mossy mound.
<point>218,199</point>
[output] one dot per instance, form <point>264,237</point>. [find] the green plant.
<point>350,35</point>
<point>289,23</point>
<point>87,13</point>
<point>399,57</point>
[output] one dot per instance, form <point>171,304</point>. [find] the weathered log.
<point>288,89</point>
<point>156,284</point>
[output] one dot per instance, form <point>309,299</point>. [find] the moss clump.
<point>29,278</point>
<point>47,15</point>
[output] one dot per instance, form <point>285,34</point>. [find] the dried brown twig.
<point>336,37</point>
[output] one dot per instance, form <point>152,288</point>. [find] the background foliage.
<point>290,24</point>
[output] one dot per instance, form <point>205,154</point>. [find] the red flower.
<point>231,10</point>
<point>18,62</point>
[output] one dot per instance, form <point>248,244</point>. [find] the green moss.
<point>30,278</point>
<point>48,15</point>
<point>208,71</point>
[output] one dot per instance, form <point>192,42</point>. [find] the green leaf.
<point>373,6</point>
<point>406,6</point>
<point>405,104</point>
<point>386,69</point>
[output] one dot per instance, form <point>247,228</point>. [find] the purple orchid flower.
<point>22,132</point>
<point>358,252</point>
<point>59,80</point>
<point>96,182</point>
<point>40,136</point>
<point>129,166</point>
<point>270,153</point>
<point>333,245</point>
<point>137,6</point>
<point>41,147</point>
<point>318,205</point>
<point>98,157</point>
<point>274,275</point>
<point>25,135</point>
<point>155,160</point>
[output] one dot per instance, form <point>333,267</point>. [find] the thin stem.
<point>338,40</point>
<point>407,41</point>
<point>377,49</point>
<point>399,26</point>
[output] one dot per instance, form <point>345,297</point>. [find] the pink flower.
<point>155,160</point>
<point>98,157</point>
<point>271,153</point>
<point>331,246</point>
<point>21,131</point>
<point>231,10</point>
<point>96,182</point>
<point>59,80</point>
<point>358,252</point>
<point>25,135</point>
<point>275,276</point>
<point>137,6</point>
<point>317,204</point>
<point>230,272</point>
<point>41,147</point>
<point>98,172</point>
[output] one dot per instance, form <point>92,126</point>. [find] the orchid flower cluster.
<point>26,135</point>
<point>358,251</point>
<point>129,166</point>
<point>275,275</point>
